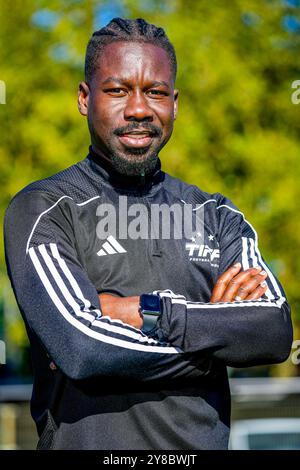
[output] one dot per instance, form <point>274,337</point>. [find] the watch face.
<point>150,302</point>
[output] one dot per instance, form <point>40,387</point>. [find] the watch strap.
<point>150,310</point>
<point>149,322</point>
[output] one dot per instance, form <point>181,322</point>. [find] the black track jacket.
<point>114,386</point>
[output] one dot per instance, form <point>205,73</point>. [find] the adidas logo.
<point>111,247</point>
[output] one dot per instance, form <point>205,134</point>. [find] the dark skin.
<point>134,86</point>
<point>247,285</point>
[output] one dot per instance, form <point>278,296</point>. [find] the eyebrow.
<point>122,81</point>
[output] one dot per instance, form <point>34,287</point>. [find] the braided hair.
<point>119,29</point>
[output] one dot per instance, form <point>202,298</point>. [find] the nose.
<point>137,108</point>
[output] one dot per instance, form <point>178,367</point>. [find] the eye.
<point>157,93</point>
<point>116,91</point>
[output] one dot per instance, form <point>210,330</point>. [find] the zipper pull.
<point>157,251</point>
<point>142,181</point>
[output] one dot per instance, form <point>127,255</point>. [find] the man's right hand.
<point>236,285</point>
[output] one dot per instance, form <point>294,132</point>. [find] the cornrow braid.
<point>119,29</point>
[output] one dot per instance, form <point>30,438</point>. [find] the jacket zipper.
<point>154,245</point>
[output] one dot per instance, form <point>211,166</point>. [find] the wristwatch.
<point>150,309</point>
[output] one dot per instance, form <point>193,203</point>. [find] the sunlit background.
<point>238,133</point>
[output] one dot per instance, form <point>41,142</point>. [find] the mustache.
<point>135,126</point>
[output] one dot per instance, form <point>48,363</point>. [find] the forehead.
<point>134,61</point>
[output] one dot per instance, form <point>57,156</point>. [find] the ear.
<point>176,92</point>
<point>83,98</point>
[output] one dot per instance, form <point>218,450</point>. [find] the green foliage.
<point>237,131</point>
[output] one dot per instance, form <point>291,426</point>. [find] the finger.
<point>243,284</point>
<point>249,286</point>
<point>222,282</point>
<point>258,292</point>
<point>240,282</point>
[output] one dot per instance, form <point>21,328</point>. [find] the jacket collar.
<point>132,183</point>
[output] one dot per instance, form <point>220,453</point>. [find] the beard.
<point>134,162</point>
<point>137,161</point>
<point>130,161</point>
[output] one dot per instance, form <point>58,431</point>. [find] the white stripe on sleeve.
<point>83,328</point>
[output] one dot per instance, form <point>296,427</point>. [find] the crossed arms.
<point>86,338</point>
<point>231,285</point>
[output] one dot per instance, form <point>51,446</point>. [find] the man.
<point>130,333</point>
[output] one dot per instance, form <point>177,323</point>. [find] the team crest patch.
<point>203,249</point>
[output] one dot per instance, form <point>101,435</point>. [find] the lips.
<point>136,139</point>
